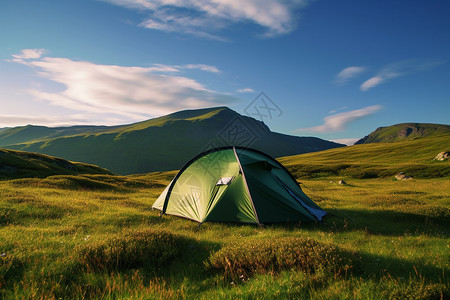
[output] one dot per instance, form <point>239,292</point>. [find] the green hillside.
<point>405,131</point>
<point>168,142</point>
<point>19,164</point>
<point>414,157</point>
<point>30,133</point>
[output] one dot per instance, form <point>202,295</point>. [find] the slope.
<point>29,133</point>
<point>166,143</point>
<point>400,132</point>
<point>414,157</point>
<point>19,164</point>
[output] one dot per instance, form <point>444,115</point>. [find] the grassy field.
<point>96,236</point>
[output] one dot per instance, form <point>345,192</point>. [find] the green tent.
<point>233,184</point>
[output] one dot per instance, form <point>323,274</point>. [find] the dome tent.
<point>234,184</point>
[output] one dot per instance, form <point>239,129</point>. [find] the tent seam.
<point>246,185</point>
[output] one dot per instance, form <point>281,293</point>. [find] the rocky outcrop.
<point>403,176</point>
<point>408,130</point>
<point>442,156</point>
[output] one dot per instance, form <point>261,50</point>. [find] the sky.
<point>331,69</point>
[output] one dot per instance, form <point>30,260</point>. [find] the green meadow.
<point>96,236</point>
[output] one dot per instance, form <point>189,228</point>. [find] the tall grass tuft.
<point>413,289</point>
<point>147,248</point>
<point>247,257</point>
<point>11,268</point>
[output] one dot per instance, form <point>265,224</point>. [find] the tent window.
<point>225,181</point>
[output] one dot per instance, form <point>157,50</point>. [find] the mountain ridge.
<point>160,144</point>
<point>403,131</point>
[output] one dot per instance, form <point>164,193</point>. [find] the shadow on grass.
<point>377,266</point>
<point>388,222</point>
<point>376,222</point>
<point>379,222</point>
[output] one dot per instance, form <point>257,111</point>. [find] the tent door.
<point>319,214</point>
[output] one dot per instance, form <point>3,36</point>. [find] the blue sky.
<point>331,69</point>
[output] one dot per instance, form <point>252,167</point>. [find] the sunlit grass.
<point>75,236</point>
<point>378,160</point>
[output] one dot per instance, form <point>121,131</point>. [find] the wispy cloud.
<point>338,122</point>
<point>397,69</point>
<point>347,74</point>
<point>26,54</point>
<point>175,69</point>
<point>12,120</point>
<point>205,18</point>
<point>206,68</point>
<point>134,92</point>
<point>373,82</point>
<point>246,90</point>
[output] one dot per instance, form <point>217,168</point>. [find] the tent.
<point>234,184</point>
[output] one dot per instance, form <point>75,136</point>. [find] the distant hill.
<point>414,157</point>
<point>19,164</point>
<point>30,133</point>
<point>404,131</point>
<point>164,143</point>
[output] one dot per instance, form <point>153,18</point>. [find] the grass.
<point>78,235</point>
<point>20,164</point>
<point>242,259</point>
<point>383,239</point>
<point>377,160</point>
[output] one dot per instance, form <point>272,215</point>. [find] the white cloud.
<point>134,92</point>
<point>397,69</point>
<point>203,26</point>
<point>12,120</point>
<point>206,68</point>
<point>30,54</point>
<point>176,69</point>
<point>348,73</point>
<point>205,17</point>
<point>27,54</point>
<point>246,90</point>
<point>333,111</point>
<point>338,122</point>
<point>372,82</point>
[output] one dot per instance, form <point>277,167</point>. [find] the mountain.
<point>164,143</point>
<point>404,131</point>
<point>19,164</point>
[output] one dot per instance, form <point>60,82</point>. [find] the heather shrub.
<point>147,248</point>
<point>244,258</point>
